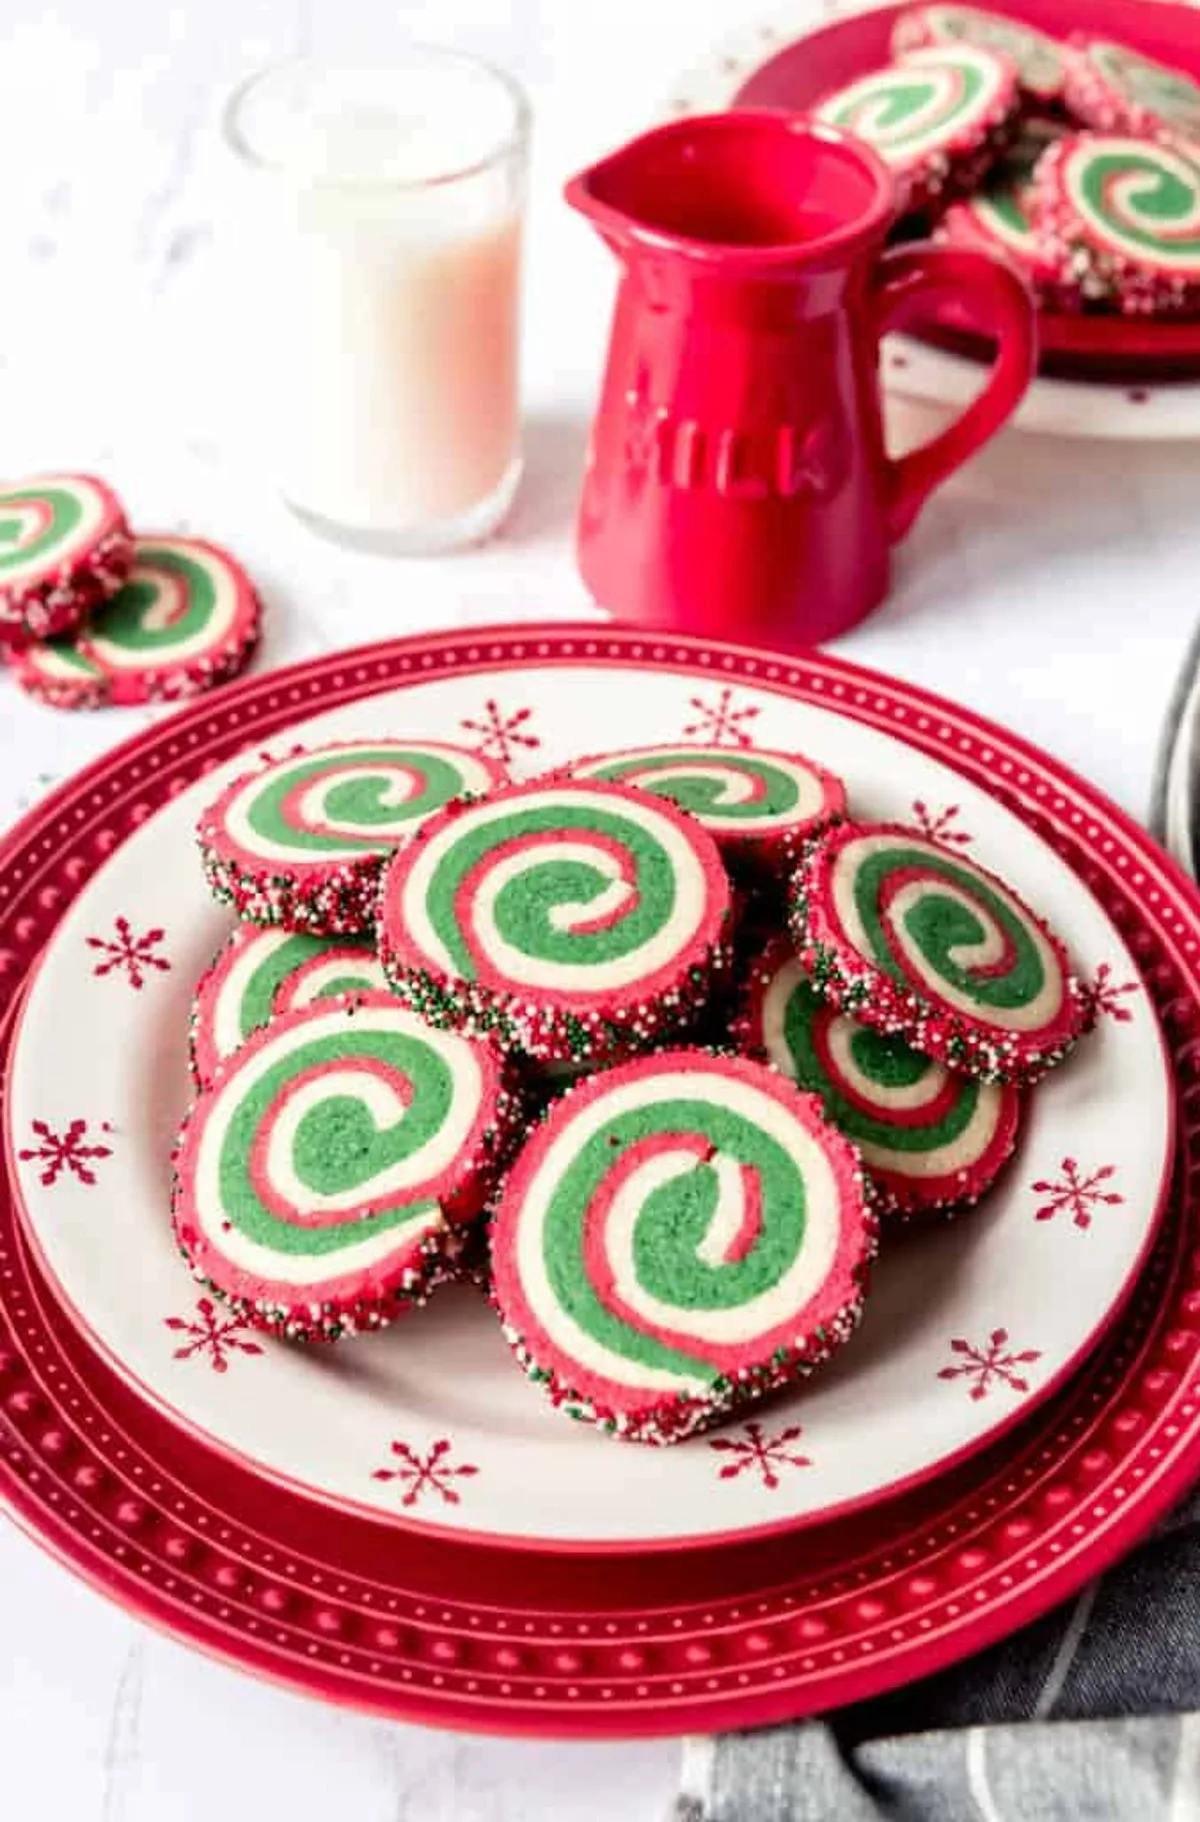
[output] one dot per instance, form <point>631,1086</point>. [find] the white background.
<point>1052,586</point>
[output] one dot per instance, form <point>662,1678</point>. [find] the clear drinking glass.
<point>380,243</point>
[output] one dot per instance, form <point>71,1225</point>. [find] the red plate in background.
<point>797,73</point>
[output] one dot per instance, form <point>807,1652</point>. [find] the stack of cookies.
<point>91,614</point>
<point>1077,159</point>
<point>653,1047</point>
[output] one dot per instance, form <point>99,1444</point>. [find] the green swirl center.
<point>66,512</point>
<point>905,105</point>
<point>353,803</point>
<point>704,795</point>
<point>1162,199</point>
<point>338,1147</point>
<point>525,905</point>
<point>670,1227</point>
<point>937,924</point>
<point>882,1060</point>
<point>123,621</point>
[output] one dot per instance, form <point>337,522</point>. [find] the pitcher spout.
<point>754,185</point>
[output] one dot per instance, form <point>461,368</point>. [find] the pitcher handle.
<point>908,279</point>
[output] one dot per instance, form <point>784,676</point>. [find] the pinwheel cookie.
<point>186,620</point>
<point>921,942</point>
<point>325,1179</point>
<point>65,547</point>
<point>937,117</point>
<point>682,1234</point>
<point>930,1139</point>
<point>574,919</point>
<point>1040,60</point>
<point>302,841</point>
<point>260,975</point>
<point>1119,220</point>
<point>759,807</point>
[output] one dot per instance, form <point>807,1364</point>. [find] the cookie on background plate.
<point>931,1141</point>
<point>999,217</point>
<point>1039,59</point>
<point>261,974</point>
<point>186,620</point>
<point>1118,220</point>
<point>681,1235</point>
<point>325,1180</point>
<point>572,919</point>
<point>302,841</point>
<point>65,547</point>
<point>915,940</point>
<point>938,118</point>
<point>1117,90</point>
<point>758,806</point>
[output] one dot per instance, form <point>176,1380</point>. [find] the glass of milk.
<point>380,264</point>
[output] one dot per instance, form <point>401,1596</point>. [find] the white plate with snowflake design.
<point>967,1325</point>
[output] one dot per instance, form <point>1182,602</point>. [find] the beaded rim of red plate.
<point>716,1638</point>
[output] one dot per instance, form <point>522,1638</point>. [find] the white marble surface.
<point>1053,586</point>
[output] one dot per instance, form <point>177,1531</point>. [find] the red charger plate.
<point>363,1611</point>
<point>1081,347</point>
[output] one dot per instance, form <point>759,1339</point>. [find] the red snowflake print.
<point>212,1335</point>
<point>985,1367</point>
<point>135,956</point>
<point>502,737</point>
<point>429,1473</point>
<point>1102,997</point>
<point>65,1151</point>
<point>753,1452</point>
<point>720,723</point>
<point>938,825</point>
<point>1076,1195</point>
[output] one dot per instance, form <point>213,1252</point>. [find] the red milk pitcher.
<point>737,480</point>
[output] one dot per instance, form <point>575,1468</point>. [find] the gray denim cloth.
<point>1091,1715</point>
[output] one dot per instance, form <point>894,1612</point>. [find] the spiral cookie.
<point>323,1181</point>
<point>915,940</point>
<point>186,620</point>
<point>262,974</point>
<point>302,841</point>
<point>937,117</point>
<point>929,1139</point>
<point>681,1234</point>
<point>999,217</point>
<point>1119,220</point>
<point>1039,59</point>
<point>574,919</point>
<point>1116,90</point>
<point>65,547</point>
<point>759,807</point>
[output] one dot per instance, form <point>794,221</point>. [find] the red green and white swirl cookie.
<point>572,918</point>
<point>759,807</point>
<point>263,974</point>
<point>681,1234</point>
<point>65,546</point>
<point>999,217</point>
<point>1117,90</point>
<point>302,841</point>
<point>186,620</point>
<point>1039,59</point>
<point>913,939</point>
<point>929,1139</point>
<point>1119,220</point>
<point>937,117</point>
<point>323,1180</point>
